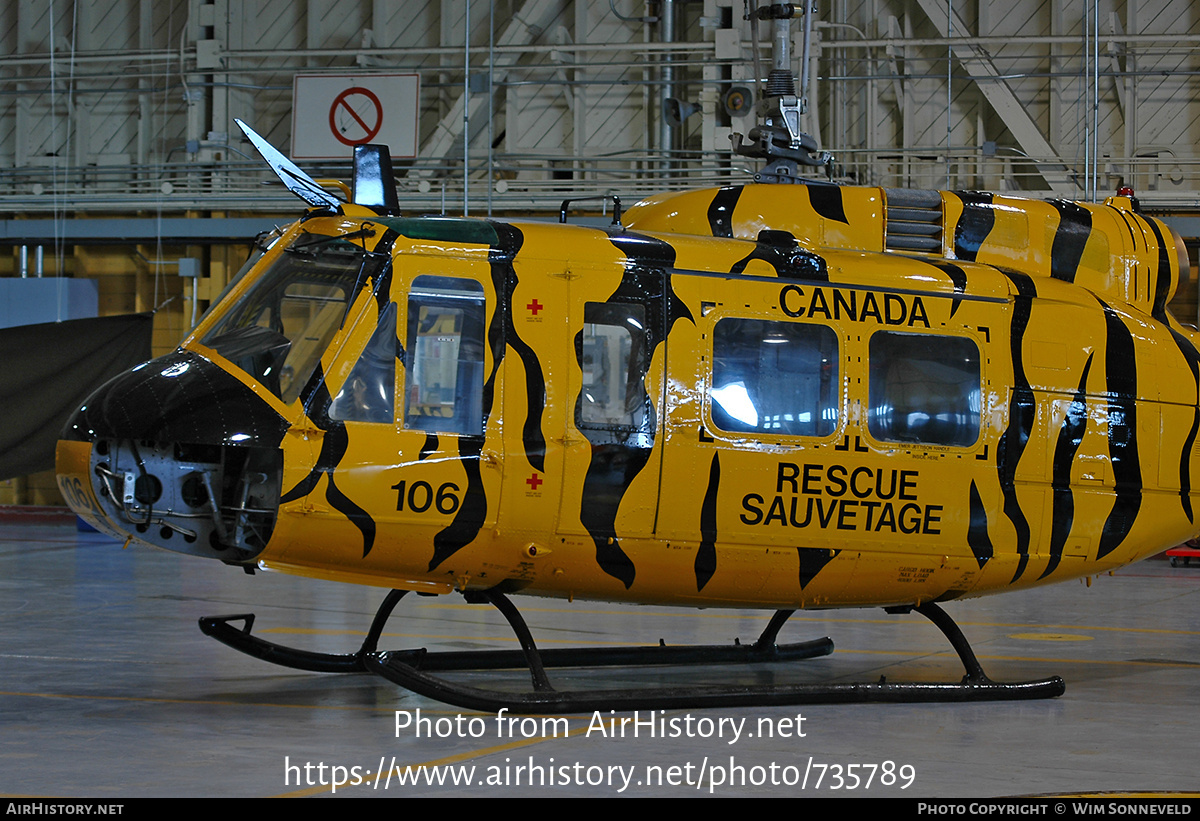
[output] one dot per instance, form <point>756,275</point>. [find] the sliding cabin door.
<point>829,442</point>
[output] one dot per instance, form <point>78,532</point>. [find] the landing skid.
<point>411,668</point>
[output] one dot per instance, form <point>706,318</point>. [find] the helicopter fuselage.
<point>769,396</point>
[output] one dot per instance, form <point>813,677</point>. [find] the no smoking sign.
<point>355,116</point>
<point>332,113</point>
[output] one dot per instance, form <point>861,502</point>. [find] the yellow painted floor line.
<point>220,703</point>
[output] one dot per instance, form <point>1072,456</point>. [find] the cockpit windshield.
<point>278,329</point>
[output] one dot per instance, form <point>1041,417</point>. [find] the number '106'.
<point>421,496</point>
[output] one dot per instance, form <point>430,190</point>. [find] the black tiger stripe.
<point>472,513</point>
<point>813,561</point>
<point>706,554</point>
<point>720,211</point>
<point>958,277</point>
<point>780,250</point>
<point>617,460</point>
<point>430,446</point>
<point>826,200</point>
<point>977,528</point>
<point>1120,366</point>
<point>1074,228</point>
<point>977,221</point>
<point>1162,279</point>
<point>360,518</point>
<point>383,290</point>
<point>1021,413</point>
<point>1070,436</point>
<point>504,280</point>
<point>1185,468</point>
<point>640,249</point>
<point>335,441</point>
<point>1190,355</point>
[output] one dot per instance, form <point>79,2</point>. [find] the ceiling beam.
<point>446,139</point>
<point>978,63</point>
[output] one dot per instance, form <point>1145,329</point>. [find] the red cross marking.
<point>534,480</point>
<point>535,306</point>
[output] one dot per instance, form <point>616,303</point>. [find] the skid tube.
<point>411,669</point>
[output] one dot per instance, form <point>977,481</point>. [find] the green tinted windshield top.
<point>277,330</point>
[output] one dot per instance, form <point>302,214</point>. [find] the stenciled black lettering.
<point>870,308</point>
<point>896,309</point>
<point>918,313</point>
<point>420,505</point>
<point>818,304</point>
<point>783,301</point>
<point>868,511</point>
<point>837,479</point>
<point>887,518</point>
<point>879,485</point>
<point>824,516</point>
<point>807,513</point>
<point>912,524</point>
<point>756,511</point>
<point>930,519</point>
<point>776,512</point>
<point>860,494</point>
<point>870,506</point>
<point>812,475</point>
<point>840,303</point>
<point>847,511</point>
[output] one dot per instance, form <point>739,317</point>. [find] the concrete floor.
<point>108,689</point>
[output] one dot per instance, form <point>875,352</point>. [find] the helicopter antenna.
<point>294,179</point>
<point>778,138</point>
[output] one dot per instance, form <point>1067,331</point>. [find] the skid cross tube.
<point>412,669</point>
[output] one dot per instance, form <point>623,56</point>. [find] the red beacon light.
<point>1127,191</point>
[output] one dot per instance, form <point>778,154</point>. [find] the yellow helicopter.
<point>776,396</point>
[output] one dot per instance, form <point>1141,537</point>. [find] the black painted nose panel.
<point>180,397</point>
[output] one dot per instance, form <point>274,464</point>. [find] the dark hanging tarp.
<point>46,373</point>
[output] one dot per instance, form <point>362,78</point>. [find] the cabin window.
<point>774,378</point>
<point>370,389</point>
<point>445,356</point>
<point>278,329</point>
<point>612,356</point>
<point>924,388</point>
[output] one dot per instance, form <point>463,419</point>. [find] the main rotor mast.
<point>778,138</point>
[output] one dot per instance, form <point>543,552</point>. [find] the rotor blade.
<point>296,181</point>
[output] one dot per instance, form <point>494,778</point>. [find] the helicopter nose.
<point>176,453</point>
<point>180,397</point>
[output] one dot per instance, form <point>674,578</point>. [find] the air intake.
<point>913,221</point>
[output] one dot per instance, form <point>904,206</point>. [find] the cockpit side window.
<point>279,328</point>
<point>369,392</point>
<point>445,356</point>
<point>776,378</point>
<point>924,388</point>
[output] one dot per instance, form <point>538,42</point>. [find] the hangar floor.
<point>109,689</point>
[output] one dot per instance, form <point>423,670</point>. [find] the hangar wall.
<point>111,109</point>
<point>117,104</point>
